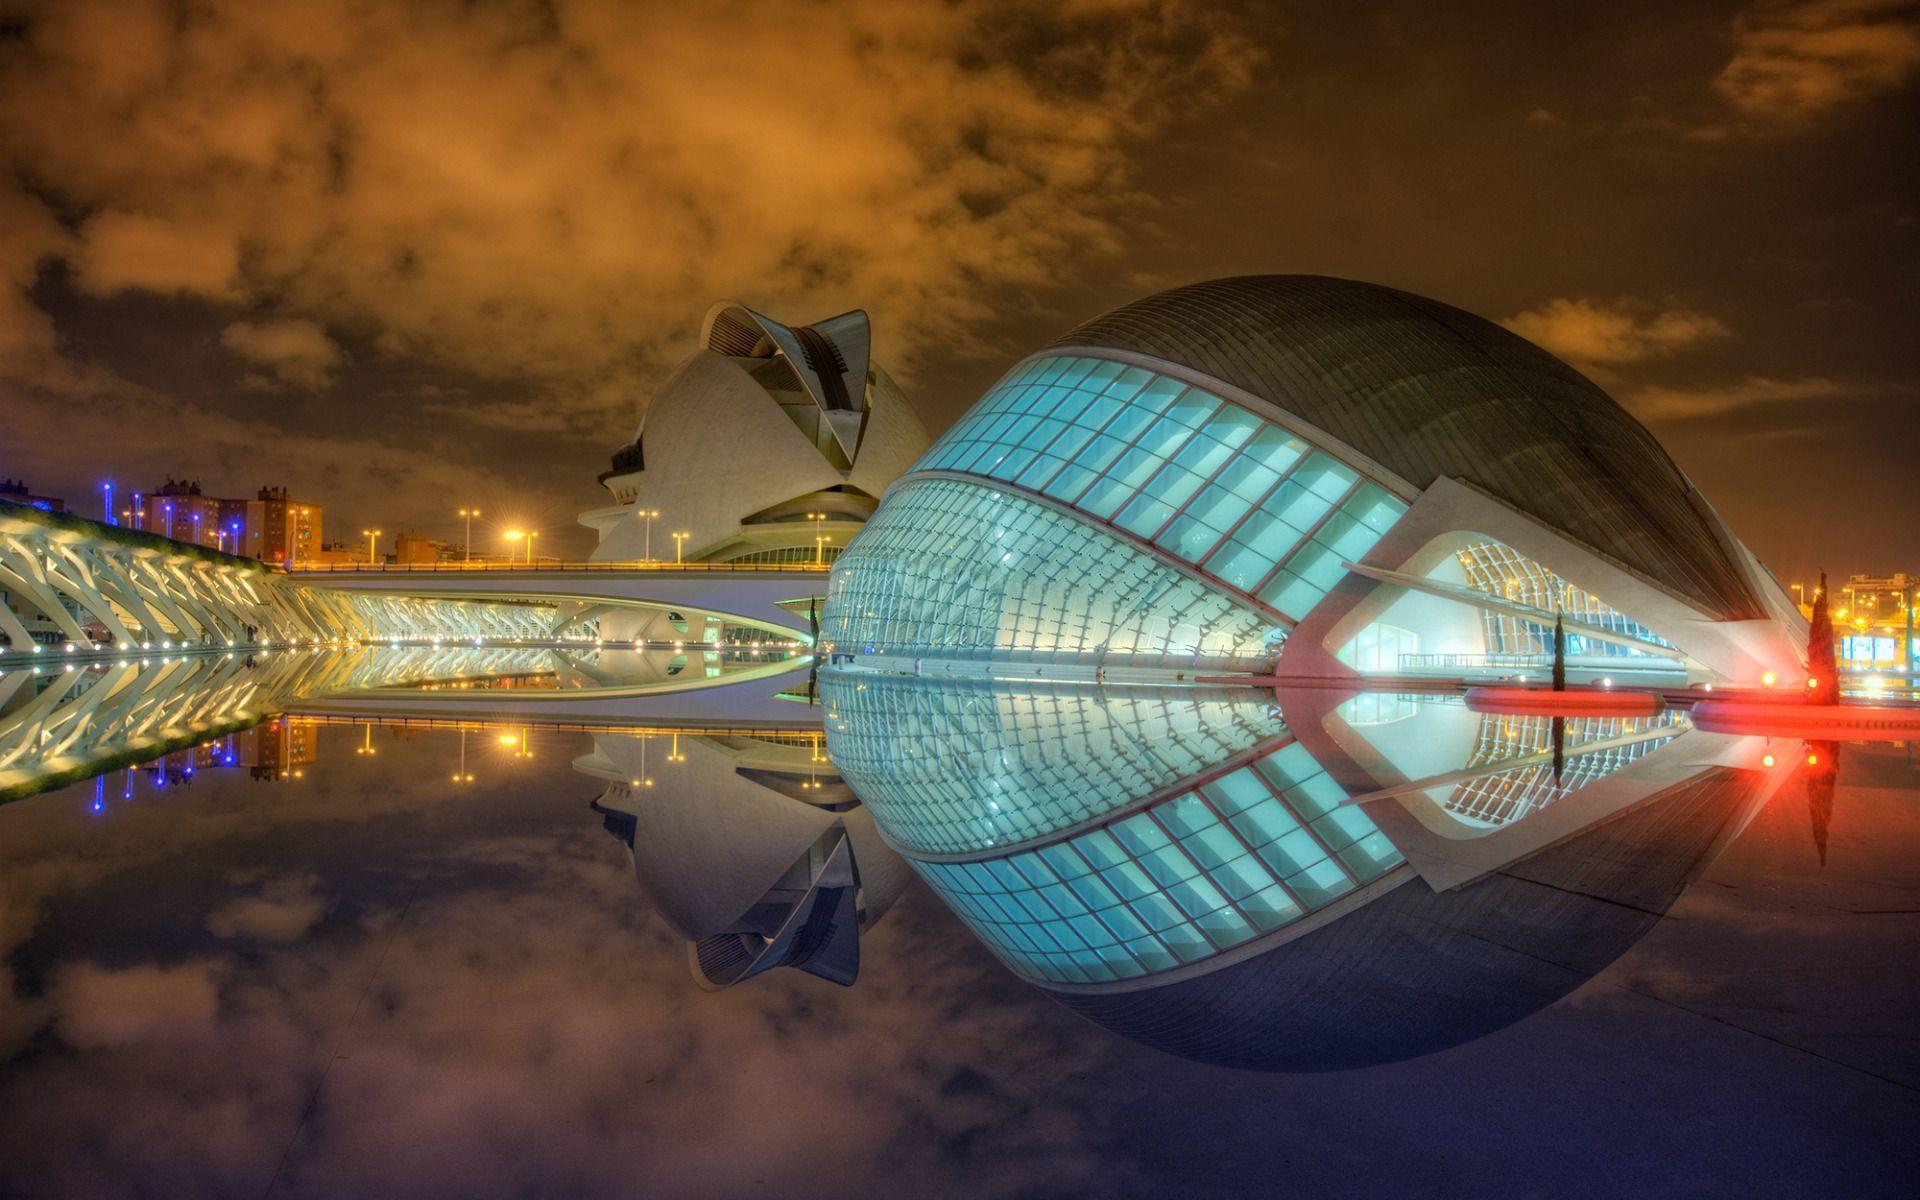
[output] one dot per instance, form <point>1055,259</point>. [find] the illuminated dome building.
<point>1330,480</point>
<point>1328,476</point>
<point>761,426</point>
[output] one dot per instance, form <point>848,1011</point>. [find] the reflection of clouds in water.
<point>532,1027</point>
<point>99,1008</point>
<point>274,910</point>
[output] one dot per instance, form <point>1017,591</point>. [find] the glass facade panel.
<point>956,571</point>
<point>1213,484</point>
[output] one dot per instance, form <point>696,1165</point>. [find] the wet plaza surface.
<point>329,959</point>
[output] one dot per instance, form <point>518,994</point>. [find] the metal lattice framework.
<point>69,579</point>
<point>55,720</point>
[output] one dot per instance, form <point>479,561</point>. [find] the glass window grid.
<point>1496,569</point>
<point>957,570</point>
<point>962,766</point>
<point>1112,446</point>
<point>1198,873</point>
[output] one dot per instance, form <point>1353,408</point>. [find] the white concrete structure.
<point>762,425</point>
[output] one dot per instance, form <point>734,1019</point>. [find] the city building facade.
<point>16,491</point>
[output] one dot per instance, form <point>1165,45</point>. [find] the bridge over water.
<point>72,581</point>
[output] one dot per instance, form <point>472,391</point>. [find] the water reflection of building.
<point>1198,872</point>
<point>750,847</point>
<point>278,748</point>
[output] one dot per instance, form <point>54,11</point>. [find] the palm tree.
<point>1821,668</point>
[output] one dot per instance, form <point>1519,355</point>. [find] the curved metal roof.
<point>1428,390</point>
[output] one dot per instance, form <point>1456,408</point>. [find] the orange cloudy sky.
<point>405,257</point>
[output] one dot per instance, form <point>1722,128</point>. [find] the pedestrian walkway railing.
<point>522,568</point>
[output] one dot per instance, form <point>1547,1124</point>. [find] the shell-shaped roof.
<point>1428,390</point>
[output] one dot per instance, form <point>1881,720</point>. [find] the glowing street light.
<point>469,514</point>
<point>646,554</point>
<point>818,553</point>
<point>106,489</point>
<point>372,536</point>
<point>679,544</point>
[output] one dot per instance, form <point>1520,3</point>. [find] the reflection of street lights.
<point>469,514</point>
<point>372,536</point>
<point>366,746</point>
<point>679,544</point>
<point>461,775</point>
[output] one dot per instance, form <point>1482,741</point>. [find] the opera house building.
<point>759,429</point>
<point>1039,649</point>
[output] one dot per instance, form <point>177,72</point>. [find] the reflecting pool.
<point>1100,940</point>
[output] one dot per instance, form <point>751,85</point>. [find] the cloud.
<point>560,191</point>
<point>1604,334</point>
<point>101,1008</point>
<point>121,251</point>
<point>1663,403</point>
<point>1541,118</point>
<point>293,350</point>
<point>1796,62</point>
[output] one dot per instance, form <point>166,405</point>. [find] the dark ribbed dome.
<point>1417,971</point>
<point>1429,391</point>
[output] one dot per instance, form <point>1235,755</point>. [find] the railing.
<point>522,568</point>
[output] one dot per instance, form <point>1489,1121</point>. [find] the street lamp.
<point>531,534</point>
<point>649,514</point>
<point>816,518</point>
<point>469,514</point>
<point>512,535</point>
<point>679,543</point>
<point>820,551</point>
<point>107,488</point>
<point>372,536</point>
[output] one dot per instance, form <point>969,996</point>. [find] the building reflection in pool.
<point>755,851</point>
<point>1301,881</point>
<point>1326,882</point>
